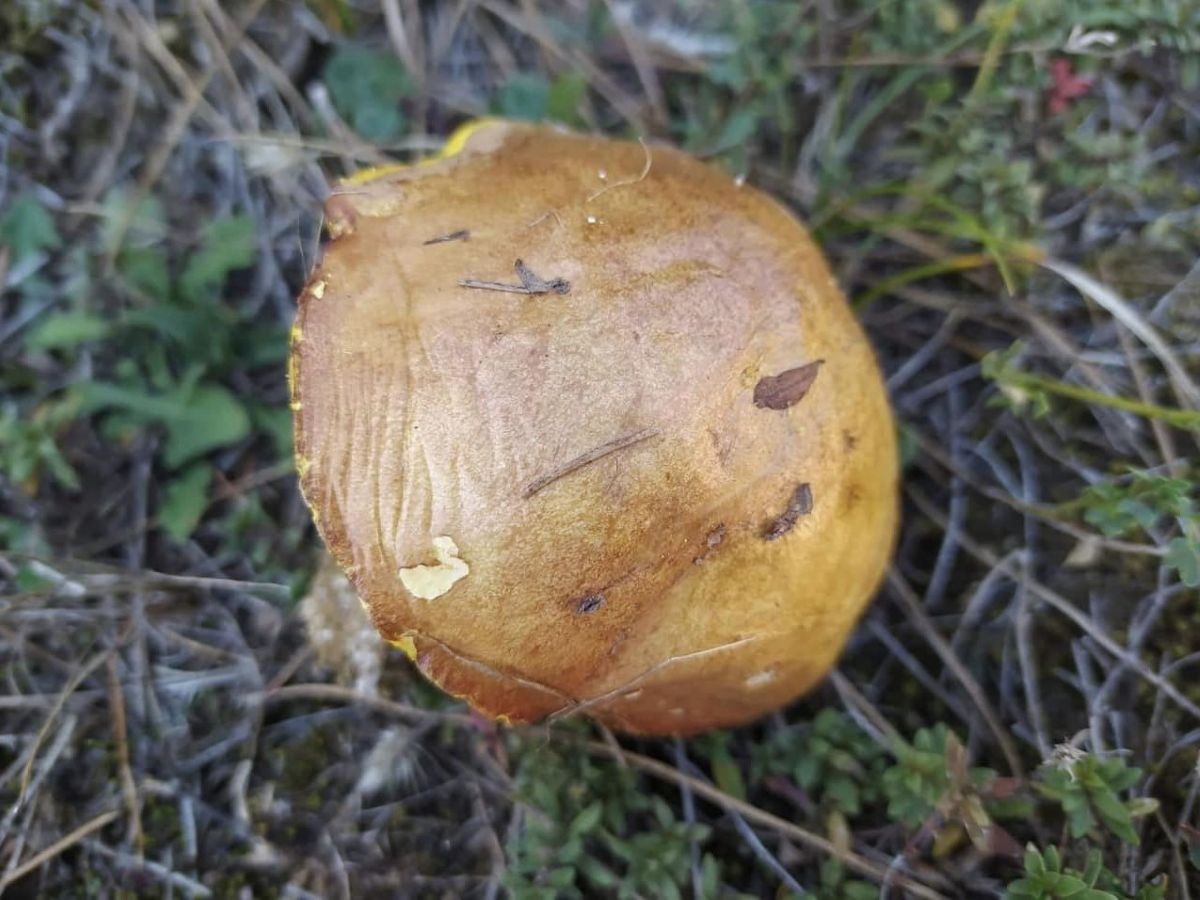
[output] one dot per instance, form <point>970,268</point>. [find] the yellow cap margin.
<point>454,145</point>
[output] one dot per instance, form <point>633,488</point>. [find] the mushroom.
<point>590,427</point>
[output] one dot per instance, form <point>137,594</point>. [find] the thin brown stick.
<point>586,459</point>
<point>752,813</point>
<point>338,694</point>
<point>76,680</point>
<point>851,695</point>
<point>58,847</point>
<point>912,606</point>
<point>633,683</point>
<point>626,182</point>
<point>116,700</point>
<point>96,581</point>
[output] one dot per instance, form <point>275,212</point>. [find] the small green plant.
<point>1088,788</point>
<point>1142,502</point>
<point>1118,508</point>
<point>529,96</point>
<point>834,760</point>
<point>179,342</point>
<point>923,777</point>
<point>1047,878</point>
<point>589,829</point>
<point>29,445</point>
<point>835,884</point>
<point>27,228</point>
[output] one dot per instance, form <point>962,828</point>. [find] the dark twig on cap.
<point>588,458</point>
<point>530,283</point>
<point>461,235</point>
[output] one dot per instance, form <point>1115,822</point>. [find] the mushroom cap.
<point>648,472</point>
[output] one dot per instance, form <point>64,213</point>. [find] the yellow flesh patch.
<point>430,582</point>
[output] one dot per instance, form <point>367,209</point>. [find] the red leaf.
<point>1065,86</point>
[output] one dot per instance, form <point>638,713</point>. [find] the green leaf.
<point>367,87</point>
<point>1053,859</point>
<point>727,775</point>
<point>1142,806</point>
<point>807,770</point>
<point>1114,815</point>
<point>1069,886</point>
<point>844,794</point>
<point>526,96</point>
<point>27,228</point>
<point>276,423</point>
<point>229,244</point>
<point>1024,887</point>
<point>62,331</point>
<point>197,420</point>
<point>597,873</point>
<point>1183,556</point>
<point>261,345</point>
<point>562,877</point>
<point>564,97</point>
<point>1034,864</point>
<point>587,820</point>
<point>143,220</point>
<point>738,127</point>
<point>184,501</point>
<point>710,878</point>
<point>145,268</point>
<point>662,812</point>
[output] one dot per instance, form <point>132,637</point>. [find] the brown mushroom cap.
<point>649,472</point>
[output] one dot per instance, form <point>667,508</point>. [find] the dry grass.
<point>165,727</point>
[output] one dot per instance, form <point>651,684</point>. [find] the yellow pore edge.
<point>406,645</point>
<point>454,145</point>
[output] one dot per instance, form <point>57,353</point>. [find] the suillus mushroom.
<point>591,429</point>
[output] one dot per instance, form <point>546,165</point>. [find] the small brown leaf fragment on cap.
<point>789,387</point>
<point>801,504</point>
